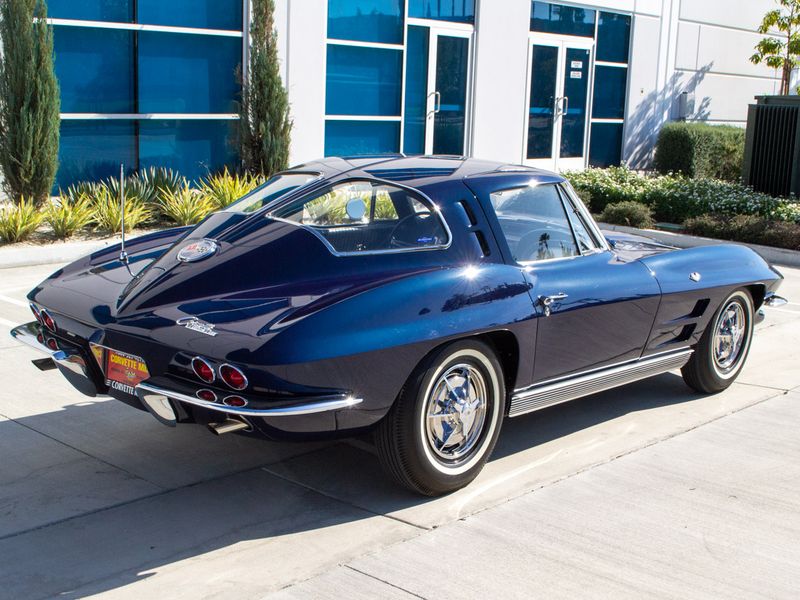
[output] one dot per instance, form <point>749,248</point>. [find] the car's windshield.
<point>275,188</point>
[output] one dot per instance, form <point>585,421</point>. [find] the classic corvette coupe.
<point>425,299</point>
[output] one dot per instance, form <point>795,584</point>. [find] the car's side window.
<point>586,243</point>
<point>534,223</point>
<point>367,216</point>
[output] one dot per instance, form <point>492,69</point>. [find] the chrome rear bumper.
<point>148,392</point>
<point>29,334</point>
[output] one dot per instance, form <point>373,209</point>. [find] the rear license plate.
<point>124,371</point>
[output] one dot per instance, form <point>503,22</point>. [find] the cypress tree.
<point>29,101</point>
<point>264,125</point>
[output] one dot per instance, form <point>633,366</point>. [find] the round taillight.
<point>36,313</point>
<point>207,395</point>
<point>202,369</point>
<point>235,401</point>
<point>52,344</point>
<point>47,320</point>
<point>233,377</point>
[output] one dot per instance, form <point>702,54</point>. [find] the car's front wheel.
<point>720,355</point>
<point>445,422</point>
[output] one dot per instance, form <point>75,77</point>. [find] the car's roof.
<point>420,171</point>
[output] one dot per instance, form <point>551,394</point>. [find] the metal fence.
<point>772,147</point>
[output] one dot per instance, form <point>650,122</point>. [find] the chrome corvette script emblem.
<point>197,250</point>
<point>196,324</point>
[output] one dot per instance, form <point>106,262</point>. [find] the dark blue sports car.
<point>423,298</point>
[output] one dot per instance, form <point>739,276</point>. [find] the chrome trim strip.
<point>27,335</point>
<point>322,405</point>
<point>576,386</point>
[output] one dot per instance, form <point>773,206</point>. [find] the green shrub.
<point>18,222</point>
<point>70,213</point>
<point>108,213</point>
<point>746,228</point>
<point>224,188</point>
<point>701,150</point>
<point>599,187</point>
<point>184,206</point>
<point>676,199</point>
<point>632,214</point>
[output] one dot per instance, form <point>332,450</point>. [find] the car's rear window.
<point>366,216</point>
<point>272,190</point>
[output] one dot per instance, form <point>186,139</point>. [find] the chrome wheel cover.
<point>730,336</point>
<point>455,412</point>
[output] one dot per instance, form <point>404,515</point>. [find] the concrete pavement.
<point>589,498</point>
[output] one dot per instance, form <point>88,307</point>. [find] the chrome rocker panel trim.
<point>566,389</point>
<point>323,405</point>
<point>70,360</point>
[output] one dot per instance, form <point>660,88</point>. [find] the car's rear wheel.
<point>445,422</point>
<point>723,348</point>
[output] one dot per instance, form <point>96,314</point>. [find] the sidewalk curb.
<point>55,253</point>
<point>777,256</point>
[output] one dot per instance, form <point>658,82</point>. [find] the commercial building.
<point>559,85</point>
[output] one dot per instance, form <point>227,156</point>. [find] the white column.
<point>501,62</point>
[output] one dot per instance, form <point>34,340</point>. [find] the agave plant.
<point>159,179</point>
<point>18,222</point>
<point>185,206</point>
<point>224,188</point>
<point>108,212</point>
<point>72,211</point>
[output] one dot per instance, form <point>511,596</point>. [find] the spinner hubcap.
<point>456,412</point>
<point>729,336</point>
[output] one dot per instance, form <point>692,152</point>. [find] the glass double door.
<point>558,103</point>
<point>437,91</point>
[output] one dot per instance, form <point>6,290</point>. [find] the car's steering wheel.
<point>398,240</point>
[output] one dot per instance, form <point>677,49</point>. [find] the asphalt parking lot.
<point>645,491</point>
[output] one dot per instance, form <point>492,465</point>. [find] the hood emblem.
<point>197,325</point>
<point>197,250</point>
<point>695,276</point>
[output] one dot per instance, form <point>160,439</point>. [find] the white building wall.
<point>699,46</point>
<point>501,63</point>
<point>302,31</point>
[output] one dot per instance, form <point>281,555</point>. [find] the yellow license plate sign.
<point>124,371</point>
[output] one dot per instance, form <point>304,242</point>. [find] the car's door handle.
<point>547,301</point>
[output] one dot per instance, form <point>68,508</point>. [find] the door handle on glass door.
<point>565,105</point>
<point>437,102</point>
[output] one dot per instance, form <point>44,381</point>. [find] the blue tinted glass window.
<point>93,150</point>
<point>610,84</point>
<point>94,68</point>
<point>462,11</point>
<point>366,20</point>
<point>119,11</point>
<point>567,20</point>
<point>206,14</point>
<point>351,138</point>
<point>186,73</point>
<point>416,90</point>
<point>605,149</point>
<point>363,81</point>
<point>613,37</point>
<point>193,147</point>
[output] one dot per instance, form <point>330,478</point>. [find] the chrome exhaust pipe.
<point>229,425</point>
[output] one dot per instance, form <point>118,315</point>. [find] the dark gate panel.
<point>772,150</point>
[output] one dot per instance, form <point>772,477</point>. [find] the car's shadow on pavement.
<point>119,497</point>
